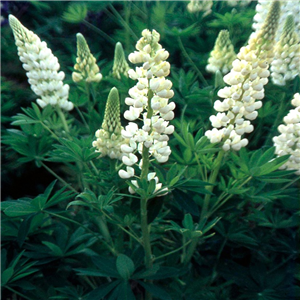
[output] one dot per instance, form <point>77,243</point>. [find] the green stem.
<point>127,8</point>
<point>146,234</point>
<point>94,167</point>
<point>204,212</point>
<point>121,20</point>
<point>58,177</point>
<point>91,284</point>
<point>104,230</point>
<point>290,183</point>
<point>174,251</point>
<point>146,240</point>
<point>200,75</point>
<point>63,119</point>
<point>99,31</point>
<point>47,128</point>
<point>125,230</point>
<point>212,179</point>
<point>220,204</point>
<point>82,117</point>
<point>218,257</point>
<point>18,293</point>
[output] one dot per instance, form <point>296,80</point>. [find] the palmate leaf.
<point>75,13</point>
<point>27,206</point>
<point>17,269</point>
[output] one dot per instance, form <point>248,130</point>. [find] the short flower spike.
<point>112,122</point>
<point>120,64</point>
<point>41,66</point>
<point>109,138</point>
<point>222,55</point>
<point>85,68</point>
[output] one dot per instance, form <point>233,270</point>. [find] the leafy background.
<point>52,253</point>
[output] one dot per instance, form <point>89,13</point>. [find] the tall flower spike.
<point>287,8</point>
<point>247,78</point>
<point>288,142</point>
<point>109,139</point>
<point>196,6</point>
<point>148,99</point>
<point>222,56</point>
<point>85,68</point>
<point>286,64</point>
<point>41,66</point>
<point>120,64</point>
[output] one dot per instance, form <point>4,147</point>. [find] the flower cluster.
<point>120,64</point>
<point>148,101</point>
<point>238,3</point>
<point>286,64</point>
<point>41,66</point>
<point>222,55</point>
<point>288,142</point>
<point>287,8</point>
<point>247,78</point>
<point>196,6</point>
<point>109,138</point>
<point>85,68</point>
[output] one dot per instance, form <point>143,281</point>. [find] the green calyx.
<point>112,122</point>
<point>120,64</point>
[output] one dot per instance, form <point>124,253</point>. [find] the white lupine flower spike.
<point>148,101</point>
<point>109,138</point>
<point>246,82</point>
<point>42,67</point>
<point>288,142</point>
<point>86,68</point>
<point>222,56</point>
<point>286,64</point>
<point>290,7</point>
<point>120,64</point>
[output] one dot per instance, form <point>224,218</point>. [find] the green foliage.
<point>226,229</point>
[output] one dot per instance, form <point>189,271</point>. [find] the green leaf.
<point>6,275</point>
<point>125,292</point>
<point>20,209</point>
<point>125,266</point>
<point>102,291</point>
<point>156,291</point>
<point>75,13</point>
<point>54,248</point>
<point>188,222</point>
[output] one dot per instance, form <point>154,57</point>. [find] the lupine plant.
<point>149,160</point>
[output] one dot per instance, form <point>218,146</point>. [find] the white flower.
<point>287,7</point>
<point>286,64</point>
<point>149,99</point>
<point>246,79</point>
<point>126,174</point>
<point>288,142</point>
<point>41,66</point>
<point>222,56</point>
